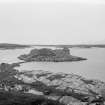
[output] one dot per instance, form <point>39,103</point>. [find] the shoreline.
<point>57,86</point>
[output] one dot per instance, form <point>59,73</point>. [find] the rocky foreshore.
<point>49,55</point>
<point>52,88</point>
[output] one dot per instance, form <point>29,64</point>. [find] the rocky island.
<point>40,87</point>
<point>49,55</point>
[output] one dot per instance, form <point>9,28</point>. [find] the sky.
<point>52,21</point>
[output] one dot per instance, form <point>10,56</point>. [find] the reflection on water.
<point>93,68</point>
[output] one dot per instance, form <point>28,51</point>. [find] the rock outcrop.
<point>49,55</point>
<point>69,84</point>
<point>59,88</point>
<point>64,88</point>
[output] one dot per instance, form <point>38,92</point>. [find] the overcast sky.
<point>52,21</point>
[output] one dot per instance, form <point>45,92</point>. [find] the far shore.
<point>74,45</point>
<point>5,46</point>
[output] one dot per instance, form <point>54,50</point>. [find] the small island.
<point>49,55</point>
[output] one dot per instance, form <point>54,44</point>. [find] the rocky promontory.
<point>39,87</point>
<point>49,55</point>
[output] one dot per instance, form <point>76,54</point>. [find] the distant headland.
<point>12,46</point>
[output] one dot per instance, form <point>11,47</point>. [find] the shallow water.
<point>93,68</point>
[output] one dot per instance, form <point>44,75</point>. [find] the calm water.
<point>93,68</point>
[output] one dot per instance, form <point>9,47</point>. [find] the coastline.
<point>56,87</point>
